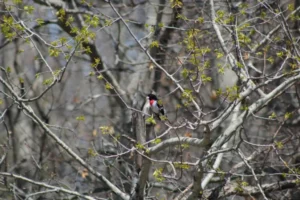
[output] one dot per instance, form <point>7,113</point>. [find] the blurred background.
<point>105,72</point>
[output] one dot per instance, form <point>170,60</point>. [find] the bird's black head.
<point>152,97</point>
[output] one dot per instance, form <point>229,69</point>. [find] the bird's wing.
<point>161,109</point>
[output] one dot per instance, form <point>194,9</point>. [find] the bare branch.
<point>37,120</point>
<point>53,188</point>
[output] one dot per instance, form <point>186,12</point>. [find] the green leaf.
<point>54,52</point>
<point>272,116</point>
<point>17,1</point>
<point>156,141</point>
<point>107,22</point>
<point>74,30</point>
<point>280,54</point>
<point>88,50</point>
<point>187,95</point>
<point>108,86</point>
<point>94,21</point>
<point>291,7</point>
<point>263,14</point>
<point>21,80</point>
<point>221,70</point>
<point>244,38</point>
<point>80,118</point>
<point>287,115</point>
<point>244,107</point>
<point>163,117</point>
<point>8,70</point>
<point>107,130</point>
<point>279,145</point>
<point>154,44</point>
<point>160,25</point>
<point>181,165</point>
<point>185,145</point>
<point>48,81</point>
<point>63,40</point>
<point>205,78</point>
<point>100,77</point>
<point>40,21</point>
<point>139,146</point>
<point>96,62</point>
<point>151,120</point>
<point>244,184</point>
<point>69,20</point>
<point>157,174</point>
<point>219,54</point>
<point>92,153</point>
<point>176,3</point>
<point>185,73</point>
<point>220,13</point>
<point>204,50</point>
<point>60,14</point>
<point>200,20</point>
<point>92,73</point>
<point>37,75</point>
<point>29,9</point>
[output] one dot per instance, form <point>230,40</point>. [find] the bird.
<point>156,107</point>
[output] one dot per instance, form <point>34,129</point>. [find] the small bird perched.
<point>155,105</point>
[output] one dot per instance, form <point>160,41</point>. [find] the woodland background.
<point>73,80</point>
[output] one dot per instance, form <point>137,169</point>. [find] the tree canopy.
<point>74,76</point>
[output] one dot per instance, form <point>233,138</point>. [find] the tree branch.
<point>37,120</point>
<point>54,188</point>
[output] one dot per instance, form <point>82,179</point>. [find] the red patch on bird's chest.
<point>151,102</point>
